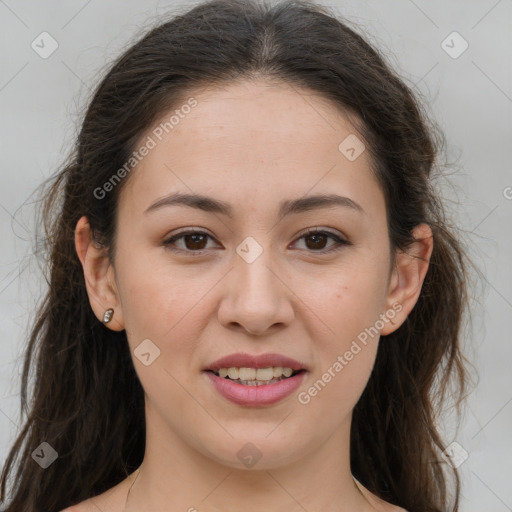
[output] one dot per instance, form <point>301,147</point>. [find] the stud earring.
<point>109,313</point>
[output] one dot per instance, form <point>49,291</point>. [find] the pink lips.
<point>255,396</point>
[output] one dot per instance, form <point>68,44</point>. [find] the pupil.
<point>196,239</point>
<point>319,239</point>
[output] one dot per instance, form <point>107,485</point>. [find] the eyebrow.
<point>209,204</point>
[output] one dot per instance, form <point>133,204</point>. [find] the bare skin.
<point>114,500</point>
<point>252,145</point>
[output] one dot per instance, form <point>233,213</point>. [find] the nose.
<point>256,299</point>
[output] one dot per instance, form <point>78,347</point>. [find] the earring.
<point>109,313</point>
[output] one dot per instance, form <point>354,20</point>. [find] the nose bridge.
<point>252,268</point>
<point>256,298</point>
<point>255,279</point>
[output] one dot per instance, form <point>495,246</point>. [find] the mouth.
<point>256,376</point>
<point>255,380</point>
<point>261,391</point>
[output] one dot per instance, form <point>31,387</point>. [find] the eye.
<point>193,241</point>
<point>316,239</point>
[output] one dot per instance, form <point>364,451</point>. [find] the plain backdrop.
<point>468,92</point>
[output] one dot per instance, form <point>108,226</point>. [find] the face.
<point>200,281</point>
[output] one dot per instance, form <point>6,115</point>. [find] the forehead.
<point>264,109</point>
<point>251,142</point>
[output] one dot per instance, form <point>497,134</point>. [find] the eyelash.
<point>340,242</point>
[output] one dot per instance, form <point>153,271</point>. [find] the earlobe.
<point>99,276</point>
<point>408,276</point>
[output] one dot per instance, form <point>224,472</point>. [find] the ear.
<point>99,275</point>
<point>407,277</point>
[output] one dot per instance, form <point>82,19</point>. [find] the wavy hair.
<point>86,400</point>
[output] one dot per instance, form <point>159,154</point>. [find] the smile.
<point>258,387</point>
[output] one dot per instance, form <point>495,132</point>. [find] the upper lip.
<point>242,360</point>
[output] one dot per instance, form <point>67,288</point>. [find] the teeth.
<point>262,374</point>
<point>255,374</point>
<point>277,371</point>
<point>287,372</point>
<point>247,373</point>
<point>233,373</point>
<point>259,382</point>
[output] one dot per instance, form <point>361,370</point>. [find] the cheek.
<point>348,310</point>
<point>169,309</point>
<point>344,360</point>
<point>350,301</point>
<point>161,302</point>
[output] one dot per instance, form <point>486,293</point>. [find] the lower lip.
<point>256,396</point>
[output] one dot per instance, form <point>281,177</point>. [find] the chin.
<point>255,452</point>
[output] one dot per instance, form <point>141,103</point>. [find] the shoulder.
<point>84,506</point>
<point>106,502</point>
<point>388,507</point>
<point>95,505</point>
<point>379,504</point>
<point>112,500</point>
<point>101,503</point>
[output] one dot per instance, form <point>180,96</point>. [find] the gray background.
<point>470,97</point>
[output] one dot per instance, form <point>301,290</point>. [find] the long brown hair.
<point>87,401</point>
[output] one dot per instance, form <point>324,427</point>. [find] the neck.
<point>175,476</point>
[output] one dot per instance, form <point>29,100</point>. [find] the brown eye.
<point>191,242</point>
<point>318,241</point>
<point>195,241</point>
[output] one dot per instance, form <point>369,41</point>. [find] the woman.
<point>255,300</point>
